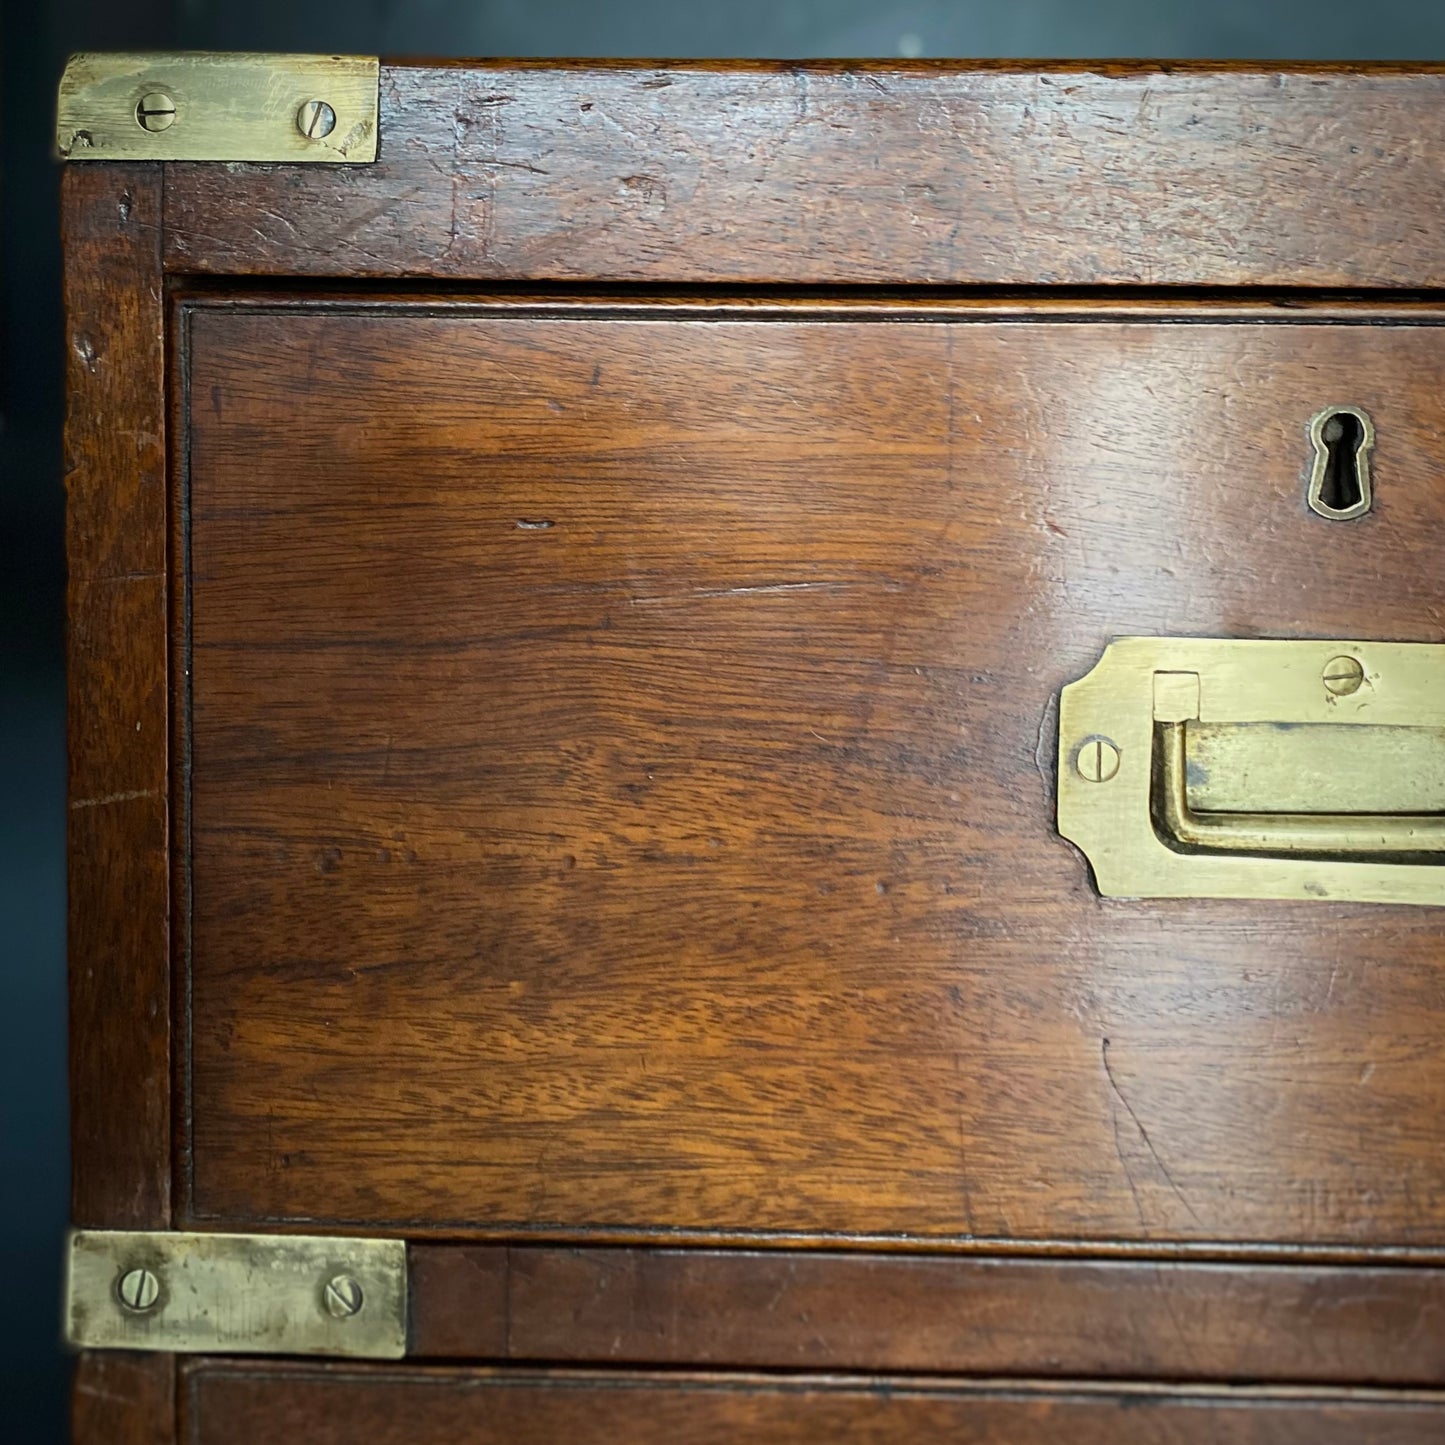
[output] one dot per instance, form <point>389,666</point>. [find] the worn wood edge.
<point>122,1398</point>
<point>1269,1324</point>
<point>195,1369</point>
<point>563,302</point>
<point>921,65</point>
<point>179,637</point>
<point>526,1233</point>
<point>118,842</point>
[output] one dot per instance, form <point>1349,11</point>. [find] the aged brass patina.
<point>237,1294</point>
<point>209,107</point>
<point>1258,769</point>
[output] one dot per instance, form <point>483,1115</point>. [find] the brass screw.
<point>315,119</point>
<point>1097,759</point>
<point>138,1290</point>
<point>1343,675</point>
<point>155,111</point>
<point>343,1297</point>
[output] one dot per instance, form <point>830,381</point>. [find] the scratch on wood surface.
<point>106,798</point>
<point>1129,1175</point>
<point>780,1293</point>
<point>281,219</point>
<point>1166,1294</point>
<point>94,1392</point>
<point>963,1166</point>
<point>1143,1134</point>
<point>763,588</point>
<point>354,225</point>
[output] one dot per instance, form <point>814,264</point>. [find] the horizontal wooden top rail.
<point>913,174</point>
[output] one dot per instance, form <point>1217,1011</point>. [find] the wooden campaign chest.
<point>622,887</point>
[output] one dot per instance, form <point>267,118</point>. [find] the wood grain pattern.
<point>237,1406</point>
<point>916,173</point>
<point>118,839</point>
<point>623,798</point>
<point>119,1398</point>
<point>896,1314</point>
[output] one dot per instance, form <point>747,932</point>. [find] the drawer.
<point>620,752</point>
<point>227,1405</point>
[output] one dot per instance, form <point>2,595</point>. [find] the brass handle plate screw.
<point>315,119</point>
<point>155,111</point>
<point>1343,676</point>
<point>138,1290</point>
<point>1097,759</point>
<point>342,1297</point>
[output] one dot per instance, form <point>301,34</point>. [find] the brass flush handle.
<point>1194,767</point>
<point>1318,835</point>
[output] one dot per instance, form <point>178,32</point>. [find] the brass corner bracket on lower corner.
<point>1221,768</point>
<point>206,106</point>
<point>280,1294</point>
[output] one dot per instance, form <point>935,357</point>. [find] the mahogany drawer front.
<point>619,745</point>
<point>224,1404</point>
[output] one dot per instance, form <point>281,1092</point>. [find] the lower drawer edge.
<point>223,1403</point>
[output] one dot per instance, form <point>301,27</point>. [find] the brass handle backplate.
<point>1199,767</point>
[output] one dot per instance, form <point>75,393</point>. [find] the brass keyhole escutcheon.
<point>1341,486</point>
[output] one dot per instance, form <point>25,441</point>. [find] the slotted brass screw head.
<point>139,1290</point>
<point>342,1297</point>
<point>155,111</point>
<point>1343,676</point>
<point>1097,759</point>
<point>315,119</point>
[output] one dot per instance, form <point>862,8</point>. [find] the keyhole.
<point>1340,476</point>
<point>1340,487</point>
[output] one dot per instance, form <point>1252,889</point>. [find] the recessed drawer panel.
<point>225,1405</point>
<point>621,747</point>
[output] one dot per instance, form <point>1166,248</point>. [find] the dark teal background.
<point>35,36</point>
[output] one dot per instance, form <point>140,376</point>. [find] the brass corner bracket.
<point>274,1294</point>
<point>205,106</point>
